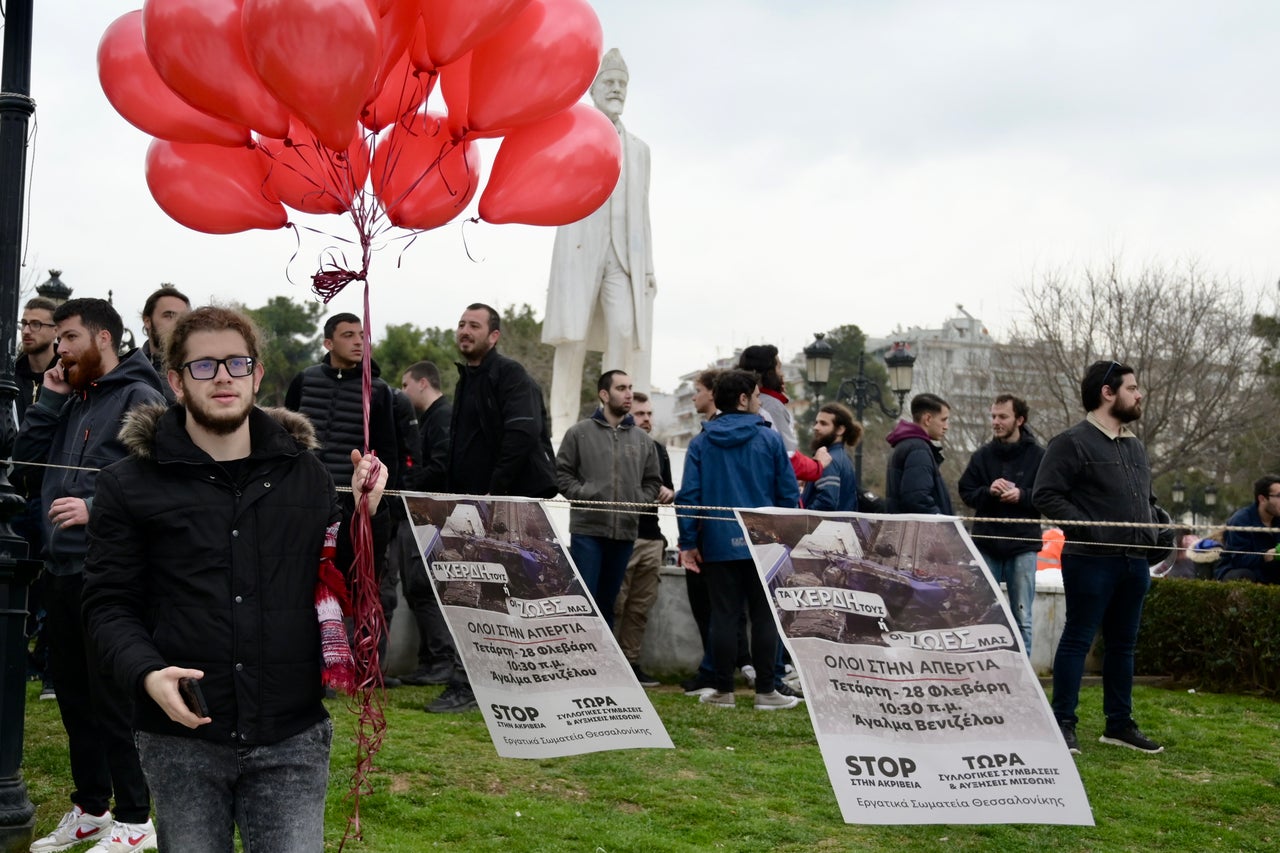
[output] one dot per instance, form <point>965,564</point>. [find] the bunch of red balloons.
<point>320,105</point>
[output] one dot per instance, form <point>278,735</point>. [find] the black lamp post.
<point>1210,499</point>
<point>17,814</point>
<point>817,364</point>
<point>1178,493</point>
<point>860,391</point>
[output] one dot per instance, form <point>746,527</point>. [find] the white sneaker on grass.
<point>127,838</point>
<point>76,827</point>
<point>719,699</point>
<point>775,701</point>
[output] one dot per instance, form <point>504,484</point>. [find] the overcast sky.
<point>814,164</point>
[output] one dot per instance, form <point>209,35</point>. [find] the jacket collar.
<point>158,432</point>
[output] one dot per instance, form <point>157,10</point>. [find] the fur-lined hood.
<point>138,431</point>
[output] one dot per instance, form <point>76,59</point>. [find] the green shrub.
<point>1222,636</point>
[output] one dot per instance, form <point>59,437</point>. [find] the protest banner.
<point>546,670</point>
<point>924,704</point>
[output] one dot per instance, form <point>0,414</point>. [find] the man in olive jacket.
<point>607,458</point>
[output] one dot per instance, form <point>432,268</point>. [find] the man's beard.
<point>86,370</point>
<point>772,380</point>
<point>817,442</point>
<point>153,338</point>
<point>41,351</point>
<point>618,411</point>
<point>1126,414</point>
<point>217,421</point>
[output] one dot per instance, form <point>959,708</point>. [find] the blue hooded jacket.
<point>737,461</point>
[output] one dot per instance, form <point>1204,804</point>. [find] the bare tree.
<point>1184,330</point>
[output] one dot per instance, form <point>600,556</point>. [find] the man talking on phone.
<point>211,593</point>
<point>72,430</point>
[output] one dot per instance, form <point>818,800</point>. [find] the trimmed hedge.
<point>1224,637</point>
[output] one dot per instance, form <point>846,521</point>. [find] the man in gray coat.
<point>606,458</point>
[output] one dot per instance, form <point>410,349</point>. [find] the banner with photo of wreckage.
<point>924,703</point>
<point>547,672</point>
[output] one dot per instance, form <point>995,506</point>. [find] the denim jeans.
<point>274,793</point>
<point>1018,574</point>
<point>602,562</point>
<point>1107,592</point>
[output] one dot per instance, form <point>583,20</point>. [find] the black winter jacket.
<point>1088,476</point>
<point>913,481</point>
<point>501,434</point>
<point>1017,463</point>
<point>80,431</point>
<point>188,568</point>
<point>432,474</point>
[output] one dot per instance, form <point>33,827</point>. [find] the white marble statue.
<point>600,295</point>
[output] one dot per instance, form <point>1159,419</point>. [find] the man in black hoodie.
<point>913,482</point>
<point>998,483</point>
<point>74,425</point>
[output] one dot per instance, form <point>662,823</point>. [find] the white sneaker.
<point>775,701</point>
<point>749,673</point>
<point>76,827</point>
<point>718,699</point>
<point>126,838</point>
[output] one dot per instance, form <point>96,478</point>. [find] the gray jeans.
<point>203,790</point>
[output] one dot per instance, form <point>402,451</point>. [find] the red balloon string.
<point>369,698</point>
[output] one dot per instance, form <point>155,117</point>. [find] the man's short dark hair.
<point>495,320</point>
<point>730,386</point>
<point>425,370</point>
<point>922,404</point>
<point>707,378</point>
<point>95,315</point>
<point>331,325</point>
<point>1262,486</point>
<point>759,359</point>
<point>1020,407</point>
<point>1109,374</point>
<point>842,417</point>
<point>210,318</point>
<point>40,303</point>
<point>639,397</point>
<point>149,307</point>
<point>605,382</point>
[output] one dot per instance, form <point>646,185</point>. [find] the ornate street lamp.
<point>817,364</point>
<point>1179,492</point>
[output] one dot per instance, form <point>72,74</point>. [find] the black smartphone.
<point>193,696</point>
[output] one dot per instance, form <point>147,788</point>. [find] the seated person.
<point>1251,555</point>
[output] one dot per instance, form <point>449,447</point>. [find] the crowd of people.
<point>195,548</point>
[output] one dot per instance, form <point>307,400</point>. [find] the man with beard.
<point>640,582</point>
<point>38,334</point>
<point>73,426</point>
<point>606,458</point>
<point>837,489</point>
<point>1097,471</point>
<point>160,313</point>
<point>998,483</point>
<point>501,441</point>
<point>211,565</point>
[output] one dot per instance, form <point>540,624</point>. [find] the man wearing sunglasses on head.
<point>1097,471</point>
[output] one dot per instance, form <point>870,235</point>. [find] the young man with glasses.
<point>38,334</point>
<point>1251,555</point>
<point>1097,471</point>
<point>74,426</point>
<point>212,560</point>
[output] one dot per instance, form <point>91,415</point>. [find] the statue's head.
<point>609,91</point>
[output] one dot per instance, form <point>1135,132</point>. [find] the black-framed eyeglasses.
<point>207,368</point>
<point>1273,496</point>
<point>35,325</point>
<point>1107,375</point>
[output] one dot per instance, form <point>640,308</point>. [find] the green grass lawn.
<point>748,781</point>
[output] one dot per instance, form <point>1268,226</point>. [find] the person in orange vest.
<point>1050,556</point>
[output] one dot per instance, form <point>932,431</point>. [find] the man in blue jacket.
<point>74,425</point>
<point>1251,555</point>
<point>837,489</point>
<point>735,461</point>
